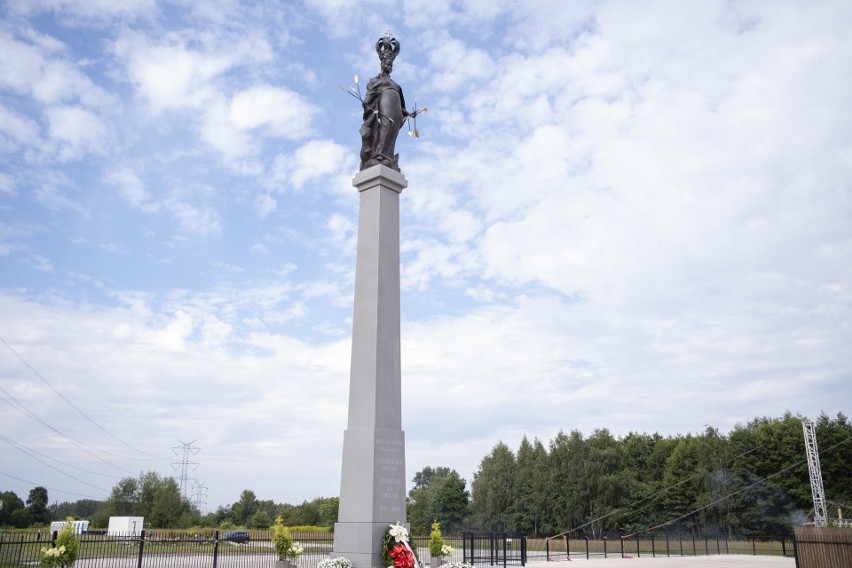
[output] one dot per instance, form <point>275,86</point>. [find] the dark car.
<point>236,536</point>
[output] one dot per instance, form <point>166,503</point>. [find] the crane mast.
<point>820,512</point>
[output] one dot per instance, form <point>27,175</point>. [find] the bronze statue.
<point>384,111</point>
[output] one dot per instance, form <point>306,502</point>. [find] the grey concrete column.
<point>372,487</point>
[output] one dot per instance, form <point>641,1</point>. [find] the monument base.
<point>349,539</point>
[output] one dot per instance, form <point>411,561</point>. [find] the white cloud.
<point>7,184</point>
<point>39,263</point>
<point>315,159</point>
<point>170,75</point>
<point>264,205</point>
<point>40,70</point>
<point>76,132</point>
<point>16,131</point>
<point>130,187</point>
<point>278,110</point>
<point>87,9</point>
<point>193,218</point>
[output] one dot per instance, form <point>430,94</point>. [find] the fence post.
<point>680,539</point>
<point>215,549</point>
<point>638,552</point>
<point>795,550</point>
<point>667,543</point>
<point>706,546</point>
<point>604,539</point>
<point>505,552</point>
<point>753,546</point>
<point>524,550</point>
<point>464,548</point>
<point>784,547</point>
<point>547,548</point>
<point>653,548</point>
<point>718,547</point>
<point>587,547</point>
<point>622,546</point>
<point>141,548</point>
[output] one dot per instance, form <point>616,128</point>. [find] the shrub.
<point>436,540</point>
<point>64,552</point>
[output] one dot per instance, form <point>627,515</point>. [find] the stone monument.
<point>372,488</point>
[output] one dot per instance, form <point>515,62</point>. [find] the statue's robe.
<point>379,131</point>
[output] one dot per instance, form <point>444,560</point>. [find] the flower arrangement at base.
<point>396,552</point>
<point>339,562</point>
<point>447,550</point>
<point>64,551</point>
<point>456,565</point>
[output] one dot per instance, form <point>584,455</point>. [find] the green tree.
<point>569,494</point>
<point>493,484</point>
<point>37,505</point>
<point>643,466</point>
<point>123,498</point>
<point>450,500</point>
<point>328,509</point>
<point>146,495</point>
<point>530,486</point>
<point>9,503</point>
<point>438,494</point>
<point>170,509</point>
<point>604,477</point>
<point>243,509</point>
<point>81,509</point>
<point>834,441</point>
<point>771,469</point>
<point>260,521</point>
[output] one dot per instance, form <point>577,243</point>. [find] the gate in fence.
<point>495,549</point>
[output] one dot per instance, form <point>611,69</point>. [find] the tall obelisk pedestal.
<point>372,487</point>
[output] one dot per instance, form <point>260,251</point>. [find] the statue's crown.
<point>387,47</point>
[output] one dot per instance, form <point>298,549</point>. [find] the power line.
<point>30,451</point>
<point>652,495</point>
<point>72,405</point>
<point>22,449</point>
<point>27,481</point>
<point>20,407</point>
<point>700,474</point>
<point>756,483</point>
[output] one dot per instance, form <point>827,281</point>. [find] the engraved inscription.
<point>390,473</point>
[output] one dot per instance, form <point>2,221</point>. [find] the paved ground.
<point>722,561</point>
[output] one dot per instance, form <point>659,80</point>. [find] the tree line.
<point>753,481</point>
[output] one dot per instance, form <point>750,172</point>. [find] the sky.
<point>624,215</point>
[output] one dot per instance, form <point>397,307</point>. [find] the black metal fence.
<point>178,549</point>
<point>495,549</point>
<point>209,549</point>
<point>666,544</point>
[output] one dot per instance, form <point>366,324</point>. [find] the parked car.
<point>236,536</point>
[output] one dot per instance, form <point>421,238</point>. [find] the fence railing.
<point>201,549</point>
<point>663,544</point>
<point>210,549</point>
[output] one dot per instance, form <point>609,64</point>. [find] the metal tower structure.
<point>186,449</point>
<point>200,498</point>
<point>820,511</point>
